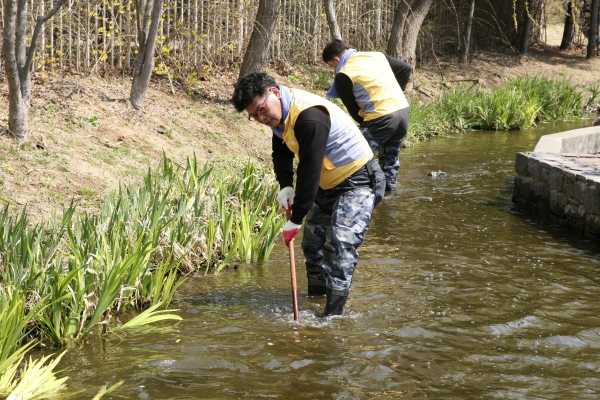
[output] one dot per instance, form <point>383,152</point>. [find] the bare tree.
<point>394,47</point>
<point>334,28</point>
<point>524,45</point>
<point>148,19</point>
<point>464,54</point>
<point>414,20</point>
<point>567,39</point>
<point>19,60</point>
<point>592,49</point>
<point>257,50</point>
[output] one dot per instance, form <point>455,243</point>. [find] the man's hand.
<point>290,230</point>
<point>285,198</point>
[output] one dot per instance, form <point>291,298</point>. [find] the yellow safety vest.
<point>374,85</point>
<point>346,151</point>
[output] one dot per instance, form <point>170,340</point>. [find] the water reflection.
<point>458,294</point>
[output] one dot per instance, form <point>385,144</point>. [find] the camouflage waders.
<point>385,135</point>
<point>334,228</point>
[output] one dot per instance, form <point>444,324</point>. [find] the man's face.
<point>334,63</point>
<point>266,109</point>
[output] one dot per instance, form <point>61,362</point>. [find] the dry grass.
<point>85,139</point>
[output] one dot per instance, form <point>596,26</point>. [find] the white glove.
<point>285,198</point>
<point>290,230</point>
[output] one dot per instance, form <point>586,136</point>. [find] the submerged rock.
<point>438,174</point>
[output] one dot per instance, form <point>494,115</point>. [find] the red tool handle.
<point>293,278</point>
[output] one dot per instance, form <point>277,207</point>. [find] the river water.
<point>458,294</point>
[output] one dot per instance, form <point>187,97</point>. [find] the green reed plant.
<point>595,91</point>
<point>149,316</point>
<point>115,265</point>
<point>425,122</point>
<point>61,320</point>
<point>104,391</point>
<point>34,380</point>
<point>457,106</point>
<point>160,285</point>
<point>515,104</point>
<point>37,380</point>
<point>558,99</point>
<point>137,249</point>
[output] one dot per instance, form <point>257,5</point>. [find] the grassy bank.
<point>515,104</point>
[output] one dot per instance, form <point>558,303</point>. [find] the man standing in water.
<point>370,85</point>
<point>338,182</point>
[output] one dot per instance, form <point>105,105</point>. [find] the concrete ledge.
<point>564,188</point>
<point>580,141</point>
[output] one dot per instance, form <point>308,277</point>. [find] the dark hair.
<point>250,86</point>
<point>335,48</point>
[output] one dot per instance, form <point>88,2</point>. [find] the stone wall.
<point>565,187</point>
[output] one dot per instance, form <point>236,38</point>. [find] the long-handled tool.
<point>293,277</point>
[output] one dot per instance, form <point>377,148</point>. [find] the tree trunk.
<point>524,45</point>
<point>147,23</point>
<point>465,51</point>
<point>18,62</point>
<point>592,50</point>
<point>258,46</point>
<point>394,47</point>
<point>567,39</point>
<point>18,123</point>
<point>414,20</point>
<point>334,28</point>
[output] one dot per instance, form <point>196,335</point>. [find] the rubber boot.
<point>316,287</point>
<point>335,302</point>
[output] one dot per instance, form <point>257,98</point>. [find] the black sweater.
<point>312,131</point>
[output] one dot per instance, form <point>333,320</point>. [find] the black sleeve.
<point>312,131</point>
<point>283,163</point>
<point>344,87</point>
<point>402,71</point>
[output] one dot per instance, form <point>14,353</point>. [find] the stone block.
<point>522,189</point>
<point>533,190</point>
<point>570,212</point>
<point>567,188</point>
<point>562,200</point>
<point>555,207</point>
<point>569,176</point>
<point>543,207</point>
<point>521,163</point>
<point>556,178</point>
<point>575,216</point>
<point>545,176</point>
<point>516,190</point>
<point>542,197</point>
<point>534,169</point>
<point>592,224</point>
<point>590,199</point>
<point>579,190</point>
<point>558,202</point>
<point>596,207</point>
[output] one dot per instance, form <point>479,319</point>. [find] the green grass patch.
<point>516,104</point>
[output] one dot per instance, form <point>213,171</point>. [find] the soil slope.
<point>85,137</point>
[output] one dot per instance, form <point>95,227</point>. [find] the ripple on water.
<point>414,332</point>
<point>197,362</point>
